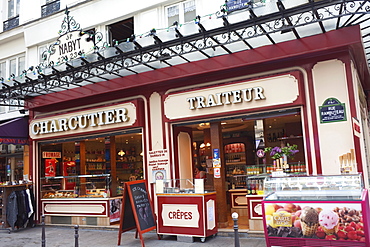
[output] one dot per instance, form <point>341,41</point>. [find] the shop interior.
<point>243,139</point>
<point>95,166</point>
<point>11,163</point>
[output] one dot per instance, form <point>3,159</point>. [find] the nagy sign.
<point>70,46</point>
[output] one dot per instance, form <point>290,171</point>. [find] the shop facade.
<point>84,157</point>
<point>306,103</point>
<point>235,107</point>
<point>210,94</point>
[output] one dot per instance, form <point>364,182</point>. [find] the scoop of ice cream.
<point>310,216</point>
<point>328,219</point>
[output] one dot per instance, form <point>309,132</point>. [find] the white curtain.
<point>189,6</point>
<point>172,11</point>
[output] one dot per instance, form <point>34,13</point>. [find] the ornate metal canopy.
<point>207,38</point>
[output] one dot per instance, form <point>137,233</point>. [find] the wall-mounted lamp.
<point>121,153</point>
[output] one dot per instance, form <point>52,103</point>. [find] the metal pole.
<point>236,232</point>
<point>76,235</point>
<point>43,241</point>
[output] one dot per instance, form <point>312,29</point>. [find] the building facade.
<point>197,83</point>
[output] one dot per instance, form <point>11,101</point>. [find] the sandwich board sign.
<point>137,210</point>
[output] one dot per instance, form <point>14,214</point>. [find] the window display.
<point>64,162</point>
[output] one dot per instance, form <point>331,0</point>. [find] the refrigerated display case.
<point>88,203</point>
<point>316,211</point>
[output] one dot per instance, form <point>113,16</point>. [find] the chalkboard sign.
<point>332,111</point>
<point>137,210</point>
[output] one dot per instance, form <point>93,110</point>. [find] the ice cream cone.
<point>328,231</point>
<point>309,230</point>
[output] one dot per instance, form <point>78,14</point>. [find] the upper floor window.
<point>3,70</point>
<point>13,66</point>
<point>121,31</point>
<point>50,7</point>
<point>13,8</point>
<point>13,15</point>
<point>181,12</point>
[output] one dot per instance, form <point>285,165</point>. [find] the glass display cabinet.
<point>186,207</point>
<point>87,202</point>
<point>338,187</point>
<point>84,186</point>
<point>316,211</point>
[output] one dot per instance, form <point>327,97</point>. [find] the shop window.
<point>95,159</point>
<point>244,142</point>
<point>50,7</point>
<point>181,12</point>
<point>121,31</point>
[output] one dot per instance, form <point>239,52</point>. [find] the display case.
<point>85,186</point>
<point>185,208</point>
<point>316,211</point>
<point>88,203</point>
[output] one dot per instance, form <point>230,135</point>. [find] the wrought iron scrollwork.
<point>340,12</point>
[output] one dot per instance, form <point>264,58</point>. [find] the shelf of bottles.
<point>235,159</point>
<point>293,168</point>
<point>253,184</point>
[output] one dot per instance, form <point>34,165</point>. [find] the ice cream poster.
<point>115,209</point>
<point>50,167</point>
<point>333,221</point>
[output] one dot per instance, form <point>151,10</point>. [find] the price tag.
<point>278,174</point>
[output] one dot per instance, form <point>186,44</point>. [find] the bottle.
<point>248,187</point>
<point>260,188</point>
<point>253,192</point>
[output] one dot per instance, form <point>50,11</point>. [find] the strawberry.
<point>352,235</point>
<point>319,229</point>
<point>321,235</point>
<point>360,233</point>
<point>341,227</point>
<point>362,239</point>
<point>349,229</point>
<point>342,234</point>
<point>359,226</point>
<point>331,237</point>
<point>353,224</point>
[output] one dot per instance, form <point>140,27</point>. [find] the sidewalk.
<point>59,236</point>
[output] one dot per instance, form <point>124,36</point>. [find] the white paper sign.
<point>158,165</point>
<point>211,215</point>
<point>199,185</point>
<point>159,186</point>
